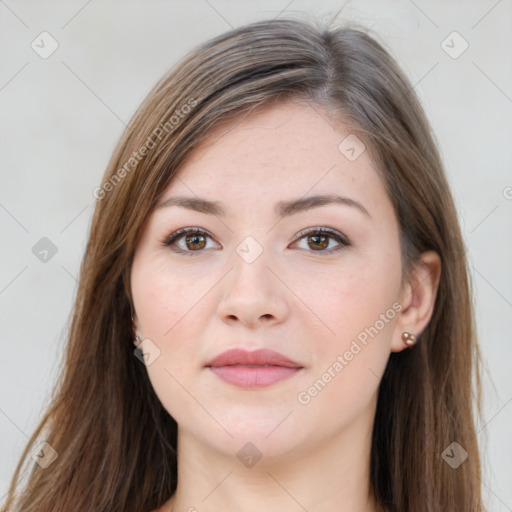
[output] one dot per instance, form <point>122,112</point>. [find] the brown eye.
<point>188,241</point>
<point>195,242</point>
<point>322,240</point>
<point>318,242</point>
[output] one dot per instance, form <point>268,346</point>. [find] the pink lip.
<point>257,369</point>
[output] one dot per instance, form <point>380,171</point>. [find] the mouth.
<point>252,370</point>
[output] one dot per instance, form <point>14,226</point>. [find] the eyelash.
<point>343,241</point>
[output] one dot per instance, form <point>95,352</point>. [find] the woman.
<point>276,236</point>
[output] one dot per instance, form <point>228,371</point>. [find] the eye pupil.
<point>323,244</point>
<point>192,239</point>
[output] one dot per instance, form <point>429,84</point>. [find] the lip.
<point>260,357</point>
<point>252,370</point>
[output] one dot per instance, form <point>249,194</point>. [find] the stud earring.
<point>408,338</point>
<point>136,339</point>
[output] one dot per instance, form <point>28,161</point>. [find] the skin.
<point>296,298</point>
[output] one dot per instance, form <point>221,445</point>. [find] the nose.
<point>253,295</point>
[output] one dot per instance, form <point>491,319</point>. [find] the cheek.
<point>169,308</point>
<point>346,300</point>
<point>350,360</point>
<point>352,347</point>
<point>165,298</point>
<point>174,305</point>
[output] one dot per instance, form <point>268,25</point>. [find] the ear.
<point>417,299</point>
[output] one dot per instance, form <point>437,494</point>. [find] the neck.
<point>333,476</point>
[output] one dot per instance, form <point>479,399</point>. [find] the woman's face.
<point>259,275</point>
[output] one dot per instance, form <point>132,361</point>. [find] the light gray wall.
<point>62,115</point>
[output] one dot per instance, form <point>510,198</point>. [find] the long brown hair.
<point>116,443</point>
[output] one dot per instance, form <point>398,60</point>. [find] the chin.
<point>252,433</point>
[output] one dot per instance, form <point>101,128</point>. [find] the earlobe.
<point>418,300</point>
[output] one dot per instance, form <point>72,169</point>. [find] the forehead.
<point>289,150</point>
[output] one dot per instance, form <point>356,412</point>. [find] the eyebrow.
<point>282,209</point>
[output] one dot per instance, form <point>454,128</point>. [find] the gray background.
<point>62,115</point>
